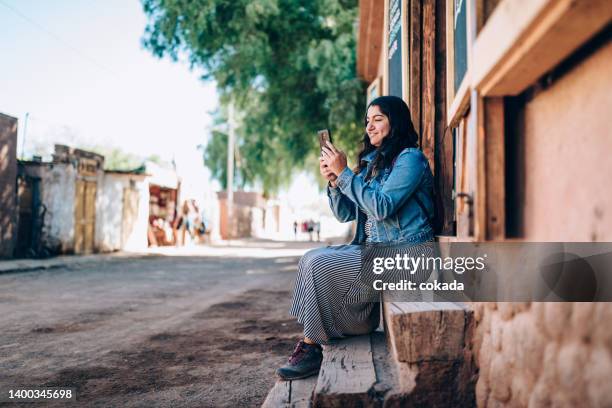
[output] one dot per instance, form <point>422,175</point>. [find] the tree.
<point>117,159</point>
<point>288,66</point>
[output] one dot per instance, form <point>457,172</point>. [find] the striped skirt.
<point>331,299</point>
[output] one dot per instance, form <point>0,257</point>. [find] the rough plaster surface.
<point>557,354</point>
<point>568,140</point>
<point>58,195</point>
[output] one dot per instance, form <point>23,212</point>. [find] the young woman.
<point>390,196</point>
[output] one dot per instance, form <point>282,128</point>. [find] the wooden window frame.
<point>405,62</point>
<point>457,102</point>
<point>376,83</point>
<point>405,50</point>
<point>385,45</point>
<point>520,32</point>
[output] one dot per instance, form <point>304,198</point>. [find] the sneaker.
<point>304,362</point>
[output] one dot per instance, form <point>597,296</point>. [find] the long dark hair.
<point>401,134</point>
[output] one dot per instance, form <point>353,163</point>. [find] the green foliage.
<point>287,65</point>
<point>118,160</point>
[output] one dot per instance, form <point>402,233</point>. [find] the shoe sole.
<point>299,377</point>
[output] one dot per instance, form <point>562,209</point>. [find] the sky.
<point>79,69</point>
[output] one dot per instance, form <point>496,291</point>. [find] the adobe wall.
<point>544,354</point>
<point>58,195</point>
<point>567,144</point>
<point>557,354</point>
<point>57,187</point>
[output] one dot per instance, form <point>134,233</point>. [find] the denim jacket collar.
<point>370,156</point>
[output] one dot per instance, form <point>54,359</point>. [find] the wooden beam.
<point>414,62</point>
<point>295,394</point>
<point>444,155</point>
<point>302,392</point>
<point>279,395</point>
<point>463,183</point>
<point>370,39</point>
<point>347,374</point>
<point>494,139</point>
<point>450,57</point>
<point>425,331</point>
<point>524,39</point>
<point>385,45</point>
<point>406,79</point>
<point>480,192</point>
<point>460,102</point>
<point>428,103</point>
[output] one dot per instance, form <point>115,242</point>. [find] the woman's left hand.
<point>333,158</point>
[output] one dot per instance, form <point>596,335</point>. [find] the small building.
<point>71,205</point>
<point>60,198</point>
<point>163,190</point>
<point>248,214</point>
<point>8,189</point>
<point>123,211</point>
<point>512,103</point>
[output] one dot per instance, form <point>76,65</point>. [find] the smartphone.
<point>324,137</point>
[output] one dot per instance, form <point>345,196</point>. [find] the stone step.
<point>429,344</point>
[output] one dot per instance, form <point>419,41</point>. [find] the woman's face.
<point>377,125</point>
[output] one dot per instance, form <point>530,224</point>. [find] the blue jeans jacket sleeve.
<point>343,208</point>
<point>383,201</point>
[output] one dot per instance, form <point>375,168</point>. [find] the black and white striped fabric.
<point>332,298</point>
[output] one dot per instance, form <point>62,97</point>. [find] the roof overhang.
<point>369,42</point>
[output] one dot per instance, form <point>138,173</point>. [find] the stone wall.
<point>543,354</point>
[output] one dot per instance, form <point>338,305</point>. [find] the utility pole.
<point>25,131</point>
<point>230,168</point>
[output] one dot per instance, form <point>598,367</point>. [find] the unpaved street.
<point>153,330</point>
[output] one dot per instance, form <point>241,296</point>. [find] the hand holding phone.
<point>332,159</point>
<point>326,172</point>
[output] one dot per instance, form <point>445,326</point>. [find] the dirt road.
<point>163,331</point>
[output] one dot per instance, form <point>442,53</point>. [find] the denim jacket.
<point>388,198</point>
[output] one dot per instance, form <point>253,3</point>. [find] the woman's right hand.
<point>327,173</point>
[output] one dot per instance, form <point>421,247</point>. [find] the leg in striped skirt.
<point>324,278</point>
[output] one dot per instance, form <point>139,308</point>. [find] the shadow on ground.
<point>225,356</point>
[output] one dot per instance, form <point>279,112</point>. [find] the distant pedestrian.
<point>295,225</point>
<point>317,230</point>
<point>310,228</point>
